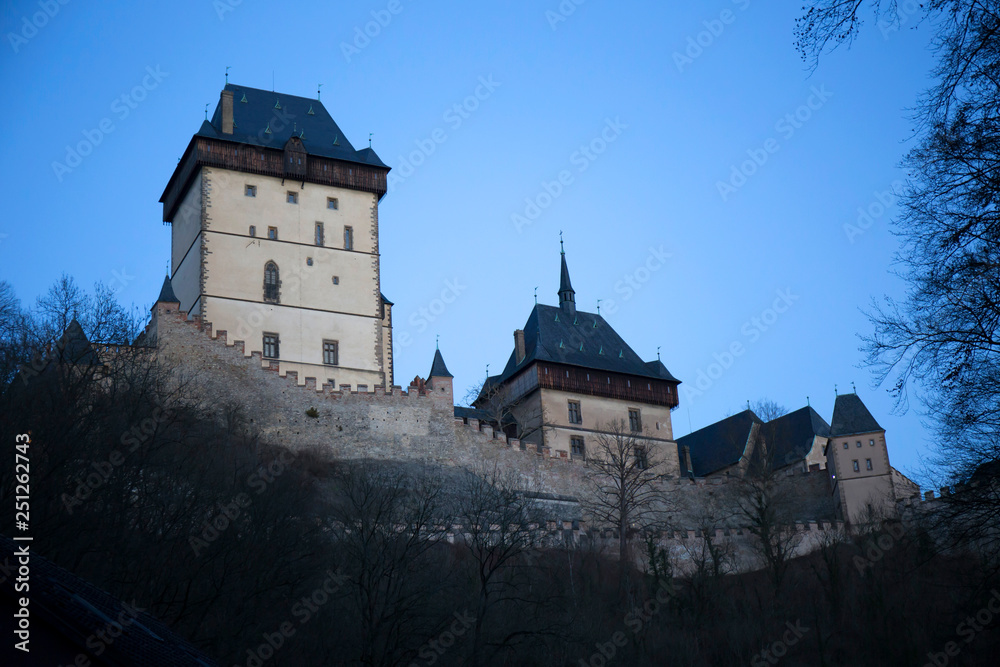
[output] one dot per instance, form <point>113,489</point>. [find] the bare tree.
<point>623,472</point>
<point>512,414</point>
<point>496,511</point>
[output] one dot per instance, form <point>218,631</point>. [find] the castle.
<point>275,286</point>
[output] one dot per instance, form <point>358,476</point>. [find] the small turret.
<point>439,379</point>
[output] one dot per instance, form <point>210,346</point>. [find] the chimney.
<point>227,111</point>
<point>519,351</point>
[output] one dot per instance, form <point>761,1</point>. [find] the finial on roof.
<point>227,74</point>
<point>536,295</point>
<point>748,404</point>
<point>206,111</point>
<point>807,402</point>
<point>370,139</point>
<point>318,86</point>
<point>853,387</point>
<point>244,100</point>
<point>437,342</point>
<point>835,390</point>
<point>657,352</point>
<point>599,306</point>
<point>561,249</point>
<point>487,370</point>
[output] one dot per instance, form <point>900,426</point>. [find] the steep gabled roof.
<point>851,416</point>
<point>719,445</point>
<point>578,339</point>
<point>266,118</point>
<point>791,436</point>
<point>74,348</point>
<point>438,369</point>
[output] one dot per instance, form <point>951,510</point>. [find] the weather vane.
<point>657,352</point>
<point>561,250</point>
<point>227,74</point>
<point>536,295</point>
<point>835,390</point>
<point>853,387</point>
<point>599,306</point>
<point>206,110</point>
<point>370,135</point>
<point>318,86</point>
<point>437,342</point>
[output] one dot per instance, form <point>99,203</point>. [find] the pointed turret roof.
<point>438,369</point>
<point>851,416</point>
<point>167,292</point>
<point>74,347</point>
<point>567,295</point>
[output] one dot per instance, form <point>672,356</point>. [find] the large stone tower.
<point>274,220</point>
<point>859,462</point>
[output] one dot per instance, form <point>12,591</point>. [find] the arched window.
<point>271,282</point>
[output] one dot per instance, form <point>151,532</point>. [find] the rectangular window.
<point>272,233</point>
<point>859,443</point>
<point>332,203</point>
<point>634,420</point>
<point>319,233</point>
<point>846,445</point>
<point>348,238</point>
<point>253,230</point>
<point>641,460</point>
<point>868,464</point>
<point>293,197</point>
<point>576,450</point>
<point>574,413</point>
<point>250,191</point>
<point>271,345</point>
<point>871,443</point>
<point>857,468</point>
<point>330,353</point>
<point>336,280</point>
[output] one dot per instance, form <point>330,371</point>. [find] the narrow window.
<point>348,238</point>
<point>859,443</point>
<point>250,191</point>
<point>272,233</point>
<point>271,282</point>
<point>332,203</point>
<point>857,468</point>
<point>871,443</point>
<point>336,280</point>
<point>846,445</point>
<point>271,345</point>
<point>293,197</point>
<point>868,464</point>
<point>576,448</point>
<point>634,420</point>
<point>253,230</point>
<point>574,413</point>
<point>319,233</point>
<point>641,459</point>
<point>309,261</point>
<point>330,353</point>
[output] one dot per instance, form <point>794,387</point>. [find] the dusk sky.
<point>708,186</point>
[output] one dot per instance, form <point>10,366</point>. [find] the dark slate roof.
<point>77,610</point>
<point>552,334</point>
<point>167,292</point>
<point>719,445</point>
<point>438,369</point>
<point>385,300</point>
<point>74,348</point>
<point>791,436</point>
<point>850,416</point>
<point>472,413</point>
<point>319,133</point>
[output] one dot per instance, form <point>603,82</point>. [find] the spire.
<point>167,292</point>
<point>438,369</point>
<point>567,295</point>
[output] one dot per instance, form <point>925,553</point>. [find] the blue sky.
<point>641,109</point>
